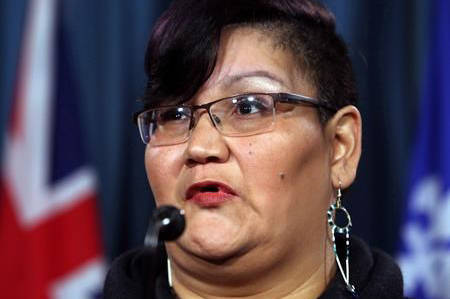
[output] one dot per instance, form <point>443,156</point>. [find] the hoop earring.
<point>341,230</point>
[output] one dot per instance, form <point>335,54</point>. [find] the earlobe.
<point>345,138</point>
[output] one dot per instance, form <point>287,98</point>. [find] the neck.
<point>302,278</point>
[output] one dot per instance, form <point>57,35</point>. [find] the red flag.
<point>49,224</point>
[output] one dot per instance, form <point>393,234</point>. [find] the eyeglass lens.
<point>236,116</point>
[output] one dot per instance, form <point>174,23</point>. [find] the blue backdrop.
<point>387,40</point>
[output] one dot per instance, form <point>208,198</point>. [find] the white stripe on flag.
<point>82,283</point>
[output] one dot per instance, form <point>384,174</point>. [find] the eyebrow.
<point>228,81</point>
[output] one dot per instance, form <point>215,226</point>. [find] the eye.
<point>251,104</point>
<point>173,115</point>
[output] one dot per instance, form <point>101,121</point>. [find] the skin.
<point>271,240</point>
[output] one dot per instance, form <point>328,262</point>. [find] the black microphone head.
<point>172,222</point>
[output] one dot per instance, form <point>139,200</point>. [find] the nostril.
<point>191,162</point>
<point>211,159</point>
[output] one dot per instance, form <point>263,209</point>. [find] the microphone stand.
<point>166,224</point>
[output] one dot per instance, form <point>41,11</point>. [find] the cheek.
<point>284,170</point>
<point>162,166</point>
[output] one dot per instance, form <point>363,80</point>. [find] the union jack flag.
<point>49,225</point>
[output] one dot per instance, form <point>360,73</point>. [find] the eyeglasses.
<point>240,115</point>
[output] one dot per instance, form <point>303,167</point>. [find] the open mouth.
<point>210,188</point>
<point>209,193</point>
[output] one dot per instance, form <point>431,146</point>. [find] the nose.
<point>206,144</point>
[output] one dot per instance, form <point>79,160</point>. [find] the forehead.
<point>249,60</point>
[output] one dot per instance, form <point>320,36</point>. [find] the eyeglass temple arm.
<point>299,99</point>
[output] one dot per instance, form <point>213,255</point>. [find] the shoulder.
<point>137,274</point>
<point>124,278</point>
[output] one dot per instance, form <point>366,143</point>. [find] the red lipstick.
<point>209,193</point>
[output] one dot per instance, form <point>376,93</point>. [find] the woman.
<point>251,128</point>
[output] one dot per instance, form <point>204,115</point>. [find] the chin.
<point>214,235</point>
<point>216,255</point>
<point>211,245</point>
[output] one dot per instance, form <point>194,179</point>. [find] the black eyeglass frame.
<point>281,97</point>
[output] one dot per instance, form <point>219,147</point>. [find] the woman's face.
<point>263,196</point>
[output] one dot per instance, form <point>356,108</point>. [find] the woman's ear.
<point>344,133</point>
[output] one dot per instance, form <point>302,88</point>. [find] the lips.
<point>209,193</point>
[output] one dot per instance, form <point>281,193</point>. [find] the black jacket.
<point>373,273</point>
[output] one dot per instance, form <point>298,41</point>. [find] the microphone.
<point>166,224</point>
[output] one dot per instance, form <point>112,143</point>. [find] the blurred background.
<point>104,44</point>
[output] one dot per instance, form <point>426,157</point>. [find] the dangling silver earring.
<point>341,230</point>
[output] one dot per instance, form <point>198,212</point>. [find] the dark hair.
<point>182,50</point>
